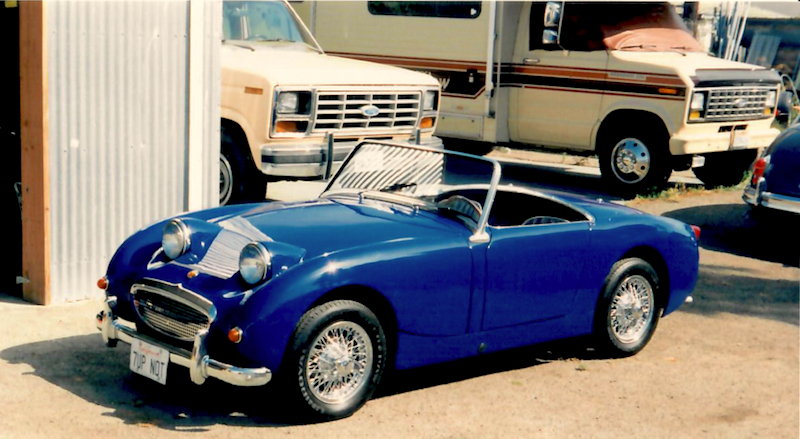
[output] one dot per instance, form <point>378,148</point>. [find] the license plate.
<point>740,141</point>
<point>150,361</point>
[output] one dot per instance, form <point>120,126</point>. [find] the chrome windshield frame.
<point>480,235</point>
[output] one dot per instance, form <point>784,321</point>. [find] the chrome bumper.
<point>759,196</point>
<point>197,361</point>
<point>309,159</point>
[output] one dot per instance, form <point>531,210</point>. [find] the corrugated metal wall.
<point>118,124</point>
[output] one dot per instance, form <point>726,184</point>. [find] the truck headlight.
<point>176,239</point>
<point>697,106</point>
<point>772,99</point>
<point>429,100</point>
<point>255,262</point>
<point>292,102</point>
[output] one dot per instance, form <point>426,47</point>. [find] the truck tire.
<point>239,180</point>
<point>725,168</point>
<point>634,163</point>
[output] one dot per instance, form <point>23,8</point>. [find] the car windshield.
<point>419,176</point>
<point>261,21</point>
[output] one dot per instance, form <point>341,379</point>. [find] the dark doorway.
<point>10,144</point>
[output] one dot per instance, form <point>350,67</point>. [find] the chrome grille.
<point>736,103</point>
<point>170,316</point>
<point>343,111</point>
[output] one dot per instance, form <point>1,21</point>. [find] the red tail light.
<point>758,170</point>
<point>696,230</point>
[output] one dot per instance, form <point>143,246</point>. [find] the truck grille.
<point>170,316</point>
<point>736,103</point>
<point>345,111</point>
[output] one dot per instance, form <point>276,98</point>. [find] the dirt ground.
<point>726,366</point>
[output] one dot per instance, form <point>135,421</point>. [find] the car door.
<point>556,93</point>
<point>532,272</point>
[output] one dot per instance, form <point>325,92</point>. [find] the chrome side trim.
<point>200,365</point>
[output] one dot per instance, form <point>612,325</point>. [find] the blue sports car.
<point>410,257</point>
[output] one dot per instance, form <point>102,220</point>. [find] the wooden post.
<point>35,159</point>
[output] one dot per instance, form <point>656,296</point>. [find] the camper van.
<point>290,111</point>
<point>625,81</point>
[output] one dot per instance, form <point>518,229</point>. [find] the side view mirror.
<point>549,37</point>
<point>552,14</point>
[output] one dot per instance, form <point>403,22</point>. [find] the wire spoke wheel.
<point>631,308</point>
<point>339,362</point>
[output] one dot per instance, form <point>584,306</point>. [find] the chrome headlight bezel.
<point>255,263</point>
<point>176,239</point>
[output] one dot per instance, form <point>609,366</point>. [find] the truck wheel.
<point>239,180</point>
<point>634,164</point>
<point>725,168</point>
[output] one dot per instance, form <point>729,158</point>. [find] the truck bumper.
<point>308,159</point>
<point>695,139</point>
<point>200,365</point>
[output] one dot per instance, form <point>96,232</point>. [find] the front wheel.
<point>335,361</point>
<point>239,179</point>
<point>628,310</point>
<point>634,164</point>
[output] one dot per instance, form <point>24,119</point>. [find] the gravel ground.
<point>726,366</point>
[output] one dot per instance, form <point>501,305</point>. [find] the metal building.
<point>119,128</point>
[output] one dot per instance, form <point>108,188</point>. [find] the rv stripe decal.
<point>466,79</point>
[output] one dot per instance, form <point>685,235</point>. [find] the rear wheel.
<point>635,163</point>
<point>725,168</point>
<point>628,310</point>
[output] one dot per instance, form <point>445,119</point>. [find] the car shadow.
<point>735,229</point>
<point>83,366</point>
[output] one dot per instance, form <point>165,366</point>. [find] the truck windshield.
<point>261,21</point>
<point>649,27</point>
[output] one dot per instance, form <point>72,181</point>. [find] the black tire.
<point>611,339</point>
<point>473,147</point>
<point>634,163</point>
<point>307,360</point>
<point>240,180</point>
<point>725,168</point>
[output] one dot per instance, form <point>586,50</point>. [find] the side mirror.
<point>549,37</point>
<point>552,14</point>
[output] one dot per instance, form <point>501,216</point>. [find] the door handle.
<point>529,61</point>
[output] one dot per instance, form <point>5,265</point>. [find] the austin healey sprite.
<point>411,256</point>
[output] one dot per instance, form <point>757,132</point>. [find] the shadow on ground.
<point>83,366</point>
<point>735,229</point>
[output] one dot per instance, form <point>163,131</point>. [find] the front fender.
<point>427,284</point>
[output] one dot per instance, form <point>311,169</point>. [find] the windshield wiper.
<point>243,46</point>
<point>396,187</point>
<point>637,46</point>
<point>284,40</point>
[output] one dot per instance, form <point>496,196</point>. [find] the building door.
<point>10,143</point>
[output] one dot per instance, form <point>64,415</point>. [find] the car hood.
<point>329,225</point>
<point>300,65</point>
<point>683,64</point>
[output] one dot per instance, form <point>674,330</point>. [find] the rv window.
<point>447,9</point>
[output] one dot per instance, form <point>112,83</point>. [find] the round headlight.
<point>175,241</point>
<point>254,263</point>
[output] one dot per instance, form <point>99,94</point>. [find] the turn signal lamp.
<point>696,230</point>
<point>426,122</point>
<point>291,126</point>
<point>102,283</point>
<point>235,335</point>
<point>694,115</point>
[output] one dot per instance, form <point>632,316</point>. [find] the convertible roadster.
<point>411,256</point>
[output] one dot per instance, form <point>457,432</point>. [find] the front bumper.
<point>308,158</point>
<point>200,365</point>
<point>698,139</point>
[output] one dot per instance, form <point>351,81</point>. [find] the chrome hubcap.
<point>630,160</point>
<point>339,362</point>
<point>225,178</point>
<point>631,307</point>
